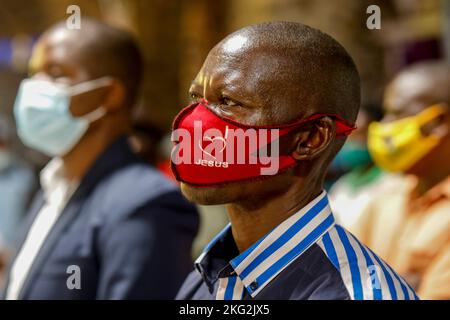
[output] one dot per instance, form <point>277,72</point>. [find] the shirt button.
<point>254,285</point>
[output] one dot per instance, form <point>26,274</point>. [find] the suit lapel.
<point>68,214</point>
<point>117,156</point>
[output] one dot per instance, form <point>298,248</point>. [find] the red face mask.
<point>210,150</point>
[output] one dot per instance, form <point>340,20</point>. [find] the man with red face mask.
<point>272,105</point>
<point>409,224</point>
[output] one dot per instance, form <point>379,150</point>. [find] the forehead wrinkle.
<point>260,75</point>
<point>238,83</point>
<point>250,67</point>
<point>275,75</point>
<point>215,72</point>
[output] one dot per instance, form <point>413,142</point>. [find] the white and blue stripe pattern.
<point>363,273</point>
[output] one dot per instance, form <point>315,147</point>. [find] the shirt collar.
<point>55,186</point>
<point>265,259</point>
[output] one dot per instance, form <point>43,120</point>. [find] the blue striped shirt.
<point>308,256</point>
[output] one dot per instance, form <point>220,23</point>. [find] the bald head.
<point>102,50</point>
<point>291,61</point>
<point>418,87</point>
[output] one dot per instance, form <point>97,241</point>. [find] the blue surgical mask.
<point>43,117</point>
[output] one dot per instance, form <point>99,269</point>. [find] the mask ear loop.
<point>89,85</point>
<point>95,114</point>
<point>430,113</point>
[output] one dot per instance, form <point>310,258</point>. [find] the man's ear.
<point>314,139</point>
<point>116,96</point>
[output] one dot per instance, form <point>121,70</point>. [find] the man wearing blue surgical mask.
<point>105,225</point>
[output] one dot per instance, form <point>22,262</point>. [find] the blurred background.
<point>175,37</point>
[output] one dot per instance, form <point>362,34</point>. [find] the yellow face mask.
<point>398,145</point>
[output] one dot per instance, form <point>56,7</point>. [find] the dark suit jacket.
<point>126,227</point>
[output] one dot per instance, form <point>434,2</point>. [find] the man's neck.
<point>250,225</point>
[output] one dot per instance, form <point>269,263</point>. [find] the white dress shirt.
<point>57,191</point>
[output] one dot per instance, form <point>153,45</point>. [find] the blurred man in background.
<point>17,182</point>
<point>105,225</point>
<point>352,194</point>
<point>409,223</point>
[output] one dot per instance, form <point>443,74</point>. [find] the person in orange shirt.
<point>409,223</point>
